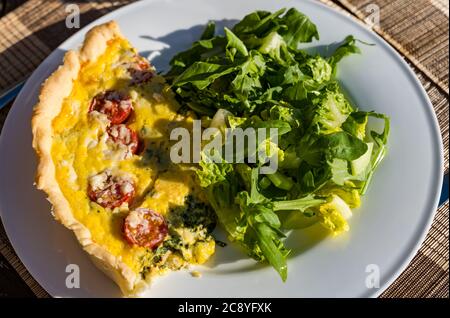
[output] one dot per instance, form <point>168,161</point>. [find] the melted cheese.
<point>79,150</point>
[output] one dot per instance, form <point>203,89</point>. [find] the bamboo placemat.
<point>418,29</point>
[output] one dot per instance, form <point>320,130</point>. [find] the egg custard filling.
<point>103,144</point>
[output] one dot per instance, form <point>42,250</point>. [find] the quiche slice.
<point>101,132</point>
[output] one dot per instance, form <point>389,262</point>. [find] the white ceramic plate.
<point>386,231</point>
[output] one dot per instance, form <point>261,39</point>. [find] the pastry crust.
<point>53,92</point>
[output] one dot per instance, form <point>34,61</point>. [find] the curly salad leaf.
<point>257,75</point>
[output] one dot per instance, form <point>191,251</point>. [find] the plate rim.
<point>435,128</point>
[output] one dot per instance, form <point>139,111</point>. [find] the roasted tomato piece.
<point>115,105</point>
<point>123,135</point>
<point>110,191</point>
<point>145,228</point>
<point>141,71</point>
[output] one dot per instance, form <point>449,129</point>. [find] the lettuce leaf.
<point>256,75</point>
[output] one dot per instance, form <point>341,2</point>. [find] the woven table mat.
<point>418,29</point>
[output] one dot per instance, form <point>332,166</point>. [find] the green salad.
<point>257,75</point>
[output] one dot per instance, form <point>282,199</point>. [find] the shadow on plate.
<point>298,241</point>
<point>178,41</point>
